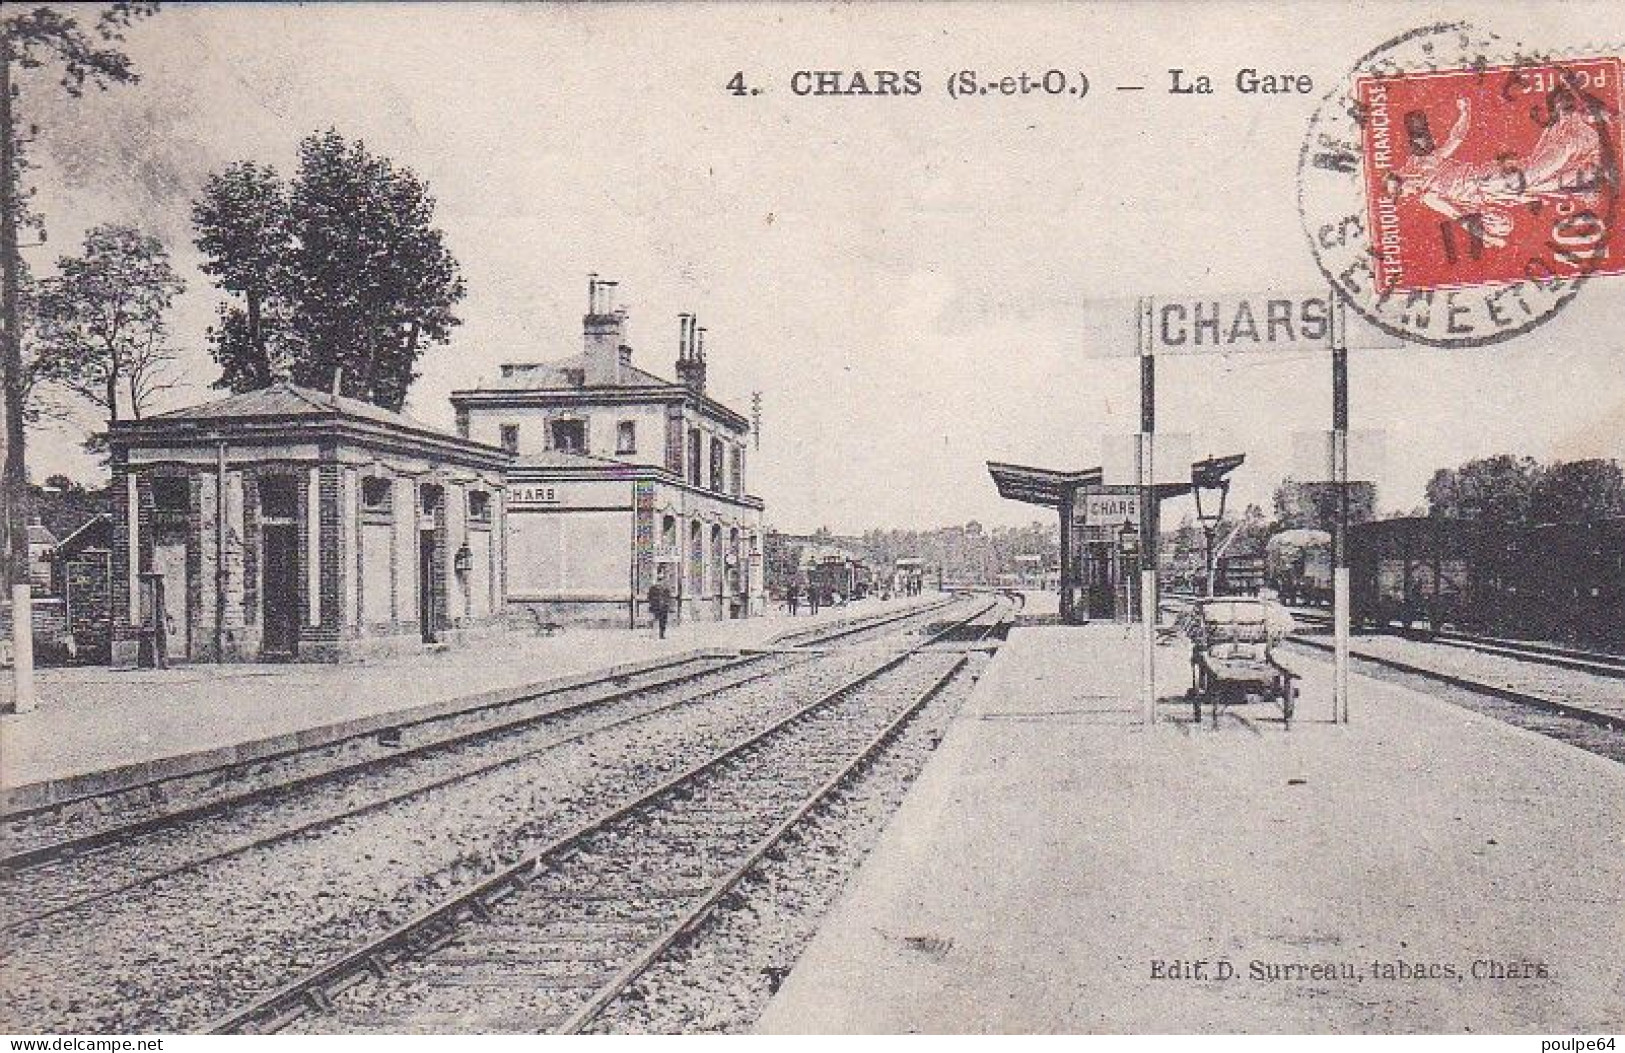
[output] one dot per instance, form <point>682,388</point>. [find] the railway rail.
<point>1530,699</point>
<point>64,874</point>
<point>1597,663</point>
<point>36,834</point>
<point>580,918</point>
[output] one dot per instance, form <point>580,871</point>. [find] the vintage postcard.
<point>786,518</point>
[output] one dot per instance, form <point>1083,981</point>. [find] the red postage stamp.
<point>1491,176</point>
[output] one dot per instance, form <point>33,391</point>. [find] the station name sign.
<point>1262,322</point>
<point>1108,509</point>
<point>1223,324</point>
<point>533,495</point>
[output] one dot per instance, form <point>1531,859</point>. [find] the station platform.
<point>97,727</point>
<point>1061,868</point>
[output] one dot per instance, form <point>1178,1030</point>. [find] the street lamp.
<point>1210,527</point>
<point>1128,542</point>
<point>1128,538</point>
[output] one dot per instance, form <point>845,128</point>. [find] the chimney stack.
<point>691,353</point>
<point>603,328</point>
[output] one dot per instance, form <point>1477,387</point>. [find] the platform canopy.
<point>1049,486</point>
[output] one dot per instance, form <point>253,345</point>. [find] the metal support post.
<point>1340,480</point>
<point>1068,499</point>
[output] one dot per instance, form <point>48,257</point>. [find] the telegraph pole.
<point>14,529</point>
<point>14,483</point>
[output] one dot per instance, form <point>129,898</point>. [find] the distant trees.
<point>341,279</point>
<point>102,330</point>
<point>1574,490</point>
<point>33,37</point>
<point>970,551</point>
<point>1520,490</point>
<point>1313,506</point>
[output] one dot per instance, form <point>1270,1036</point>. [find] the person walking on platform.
<point>792,598</point>
<point>660,605</point>
<point>812,598</point>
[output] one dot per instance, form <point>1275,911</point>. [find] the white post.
<point>22,646</point>
<point>1148,525</point>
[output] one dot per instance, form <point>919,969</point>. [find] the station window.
<point>569,436</point>
<point>479,506</point>
<point>377,494</point>
<point>626,437</point>
<point>694,440</point>
<point>171,493</point>
<point>716,465</point>
<point>510,438</point>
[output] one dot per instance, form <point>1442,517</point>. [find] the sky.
<point>913,284</point>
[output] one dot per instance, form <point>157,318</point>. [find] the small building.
<point>81,573</point>
<point>621,478</point>
<point>41,541</point>
<point>1101,527</point>
<point>908,576</point>
<point>287,523</point>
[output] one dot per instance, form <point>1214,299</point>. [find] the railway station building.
<point>620,478</point>
<point>287,523</point>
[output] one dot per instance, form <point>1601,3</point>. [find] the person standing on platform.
<point>792,598</point>
<point>660,605</point>
<point>812,598</point>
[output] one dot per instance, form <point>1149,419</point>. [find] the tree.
<point>245,236</point>
<point>1579,490</point>
<point>103,334</point>
<point>1313,506</point>
<point>344,279</point>
<point>29,39</point>
<point>1494,489</point>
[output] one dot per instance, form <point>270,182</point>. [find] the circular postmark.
<point>1459,190</point>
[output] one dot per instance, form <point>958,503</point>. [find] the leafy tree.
<point>103,334</point>
<point>1313,506</point>
<point>30,39</point>
<point>344,279</point>
<point>244,233</point>
<point>1493,489</point>
<point>1579,490</point>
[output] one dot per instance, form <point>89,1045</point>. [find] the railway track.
<point>55,877</point>
<point>549,941</point>
<point>90,821</point>
<point>1530,699</point>
<point>1597,663</point>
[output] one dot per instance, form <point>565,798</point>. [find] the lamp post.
<point>1210,528</point>
<point>1128,542</point>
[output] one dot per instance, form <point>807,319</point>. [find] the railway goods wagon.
<point>1567,582</point>
<point>1428,570</point>
<point>1562,582</point>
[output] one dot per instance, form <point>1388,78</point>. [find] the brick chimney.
<point>691,353</point>
<point>603,328</point>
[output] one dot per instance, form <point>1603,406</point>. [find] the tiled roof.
<point>284,399</point>
<point>594,373</point>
